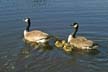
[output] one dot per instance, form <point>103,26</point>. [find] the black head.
<point>27,20</point>
<point>75,25</point>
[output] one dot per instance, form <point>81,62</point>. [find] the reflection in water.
<point>87,52</point>
<point>32,46</point>
<point>25,52</point>
<point>32,52</point>
<point>92,52</point>
<point>37,45</point>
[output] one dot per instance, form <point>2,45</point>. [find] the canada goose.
<point>79,41</point>
<point>35,35</point>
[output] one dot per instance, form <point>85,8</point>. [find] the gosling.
<point>65,46</point>
<point>59,43</point>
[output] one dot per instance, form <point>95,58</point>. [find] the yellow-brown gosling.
<point>35,35</point>
<point>62,44</point>
<point>59,43</point>
<point>79,41</point>
<point>67,47</point>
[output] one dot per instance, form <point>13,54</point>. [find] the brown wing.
<point>80,42</point>
<point>36,35</point>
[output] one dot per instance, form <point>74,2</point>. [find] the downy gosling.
<point>80,42</point>
<point>64,45</point>
<point>67,47</point>
<point>35,35</point>
<point>59,43</point>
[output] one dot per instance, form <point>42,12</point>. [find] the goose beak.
<point>24,20</point>
<point>71,25</point>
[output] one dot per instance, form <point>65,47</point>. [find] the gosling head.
<point>60,43</point>
<point>63,42</point>
<point>67,47</point>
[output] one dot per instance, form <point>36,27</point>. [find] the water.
<point>53,17</point>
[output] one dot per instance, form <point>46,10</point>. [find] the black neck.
<point>28,25</point>
<point>74,33</point>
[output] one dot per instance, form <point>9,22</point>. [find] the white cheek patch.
<point>26,20</point>
<point>75,25</point>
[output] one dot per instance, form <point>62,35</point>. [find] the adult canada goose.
<point>79,41</point>
<point>35,35</point>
